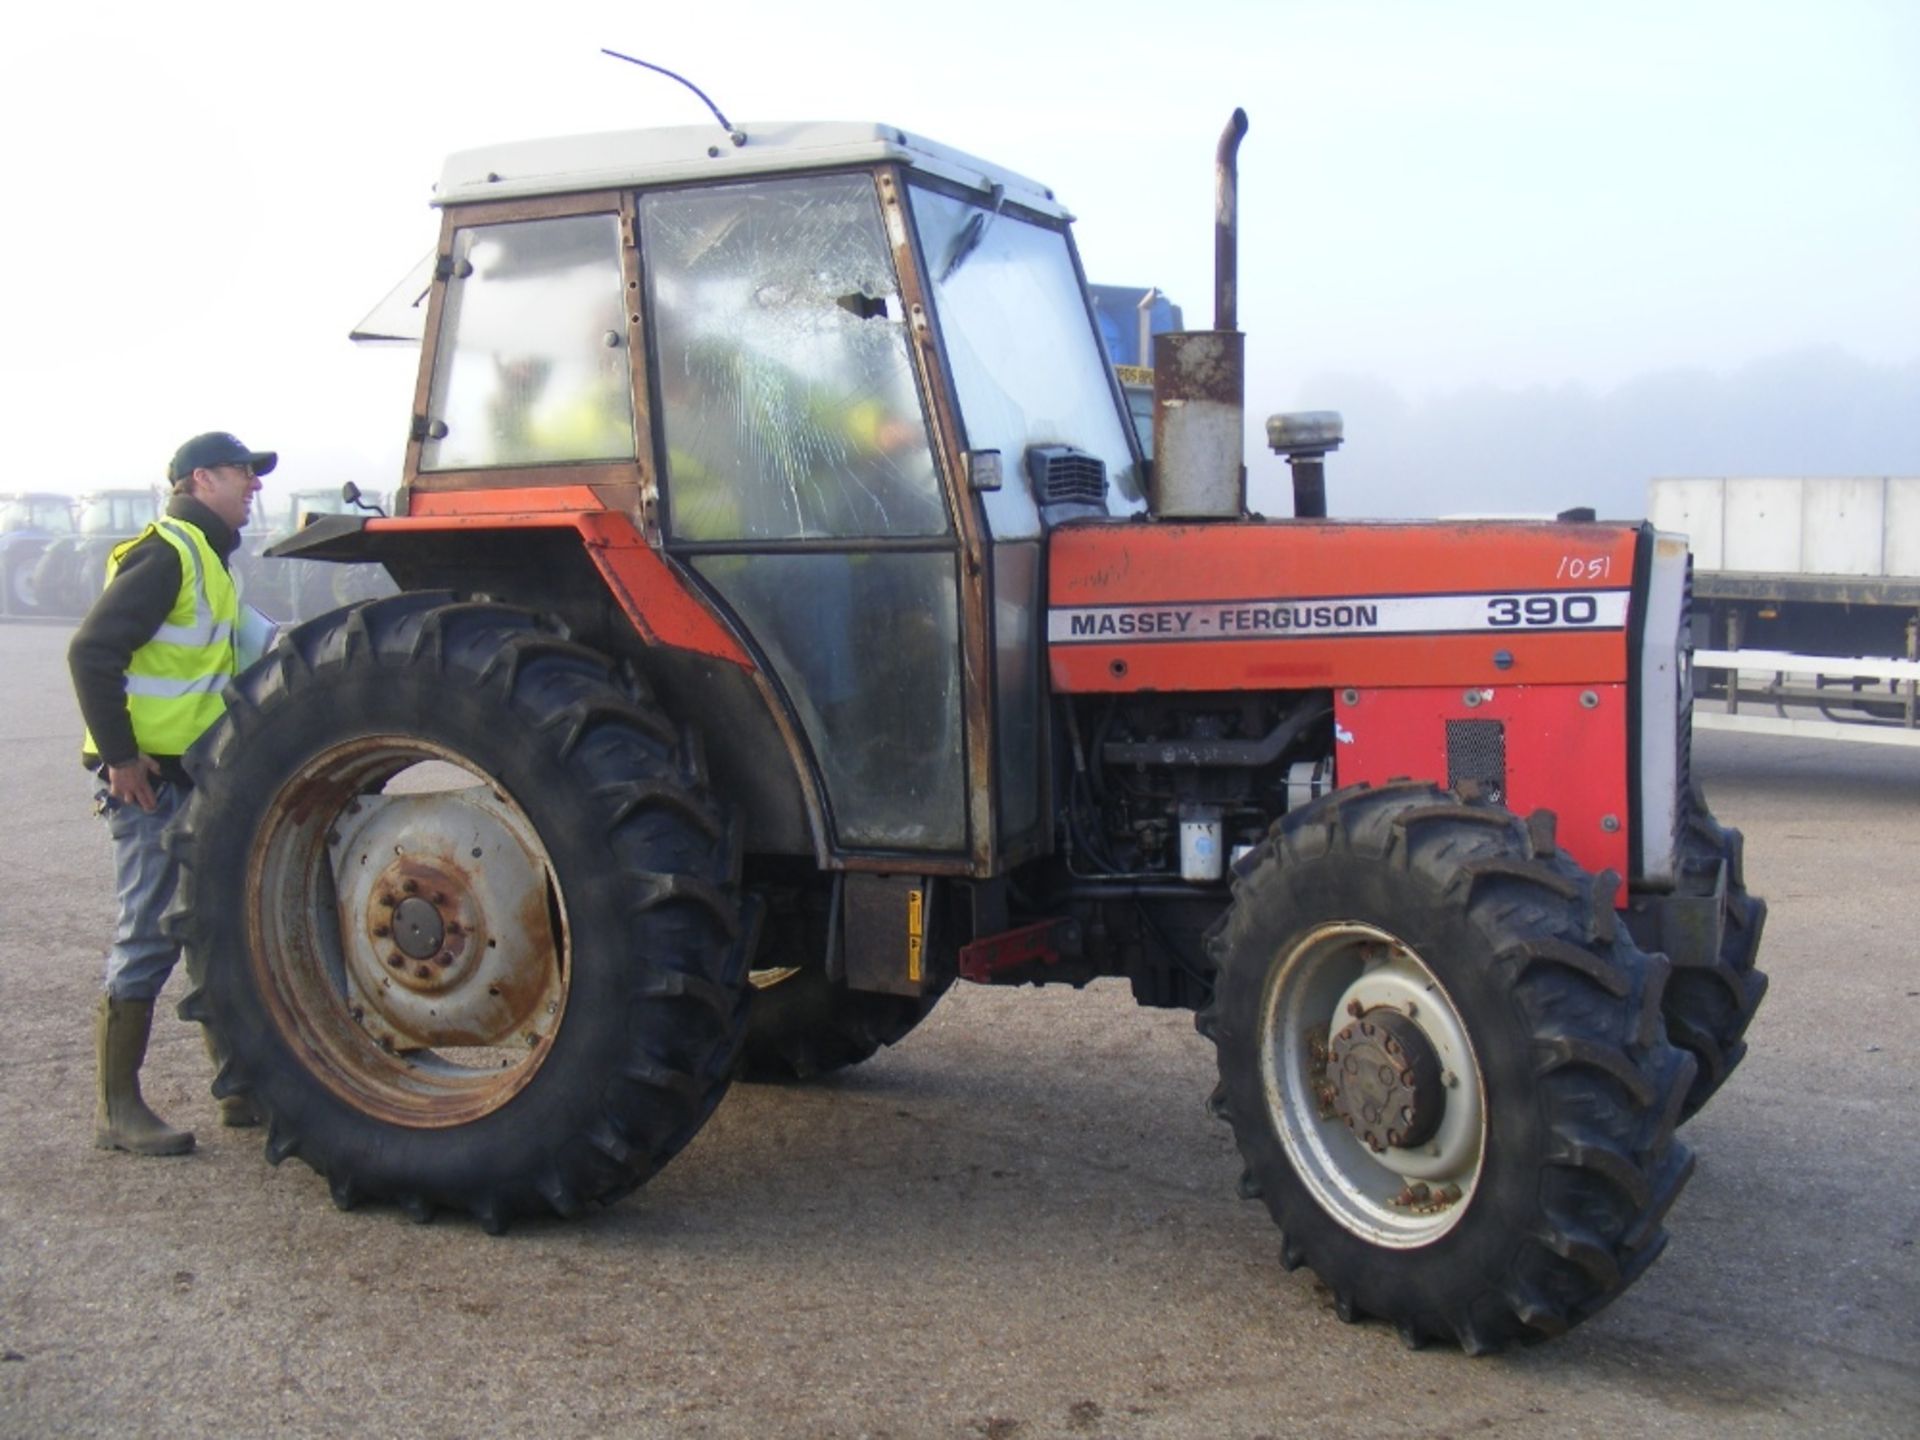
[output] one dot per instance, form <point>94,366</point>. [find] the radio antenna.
<point>739,137</point>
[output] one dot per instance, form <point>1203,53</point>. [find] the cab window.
<point>533,365</point>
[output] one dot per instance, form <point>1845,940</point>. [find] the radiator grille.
<point>1477,758</point>
<point>1073,478</point>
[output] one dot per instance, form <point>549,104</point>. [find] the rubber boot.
<point>121,1118</point>
<point>236,1111</point>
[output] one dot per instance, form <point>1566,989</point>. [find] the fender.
<point>663,608</point>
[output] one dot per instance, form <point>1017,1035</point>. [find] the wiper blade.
<point>968,240</point>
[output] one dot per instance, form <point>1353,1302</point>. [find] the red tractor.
<point>790,624</point>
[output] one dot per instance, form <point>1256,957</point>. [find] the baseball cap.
<point>214,448</point>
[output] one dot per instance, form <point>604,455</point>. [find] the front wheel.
<point>1445,1067</point>
<point>459,913</point>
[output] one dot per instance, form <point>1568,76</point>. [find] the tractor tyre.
<point>802,1023</point>
<point>1444,1065</point>
<point>55,581</point>
<point>460,914</point>
<point>313,589</point>
<point>1714,990</point>
<point>354,583</point>
<point>22,594</point>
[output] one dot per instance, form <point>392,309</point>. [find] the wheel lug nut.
<point>443,959</point>
<point>397,961</point>
<point>382,931</point>
<point>412,887</point>
<point>424,972</point>
<point>1356,1009</point>
<point>439,897</point>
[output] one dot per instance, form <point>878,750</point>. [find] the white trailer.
<point>1806,602</point>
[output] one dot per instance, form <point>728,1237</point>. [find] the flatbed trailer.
<point>1806,603</point>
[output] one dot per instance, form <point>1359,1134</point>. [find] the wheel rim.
<point>1394,1159</point>
<point>407,932</point>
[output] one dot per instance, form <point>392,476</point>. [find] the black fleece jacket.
<point>124,618</point>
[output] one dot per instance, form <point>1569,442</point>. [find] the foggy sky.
<point>1536,253</point>
<point>1545,449</point>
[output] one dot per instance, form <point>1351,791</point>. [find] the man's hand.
<point>131,783</point>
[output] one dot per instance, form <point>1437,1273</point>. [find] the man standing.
<point>149,663</point>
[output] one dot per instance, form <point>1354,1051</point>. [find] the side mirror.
<point>350,493</point>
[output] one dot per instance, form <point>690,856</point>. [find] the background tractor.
<point>29,522</point>
<point>292,589</point>
<point>72,568</point>
<point>790,624</point>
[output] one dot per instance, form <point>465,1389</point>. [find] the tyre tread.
<point>686,1004</point>
<point>1608,1082</point>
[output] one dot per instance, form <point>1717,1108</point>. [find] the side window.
<point>533,365</point>
<point>787,397</point>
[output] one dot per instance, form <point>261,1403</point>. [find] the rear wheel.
<point>1445,1067</point>
<point>1716,987</point>
<point>55,581</point>
<point>22,595</point>
<point>801,1022</point>
<point>459,913</point>
<point>313,589</point>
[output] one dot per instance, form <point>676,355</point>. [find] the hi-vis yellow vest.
<point>175,679</point>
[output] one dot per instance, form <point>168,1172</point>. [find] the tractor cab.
<point>40,515</point>
<point>844,379</point>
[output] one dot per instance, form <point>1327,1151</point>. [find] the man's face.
<point>227,490</point>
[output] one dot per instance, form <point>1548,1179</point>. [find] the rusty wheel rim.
<point>407,931</point>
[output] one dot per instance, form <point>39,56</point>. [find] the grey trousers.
<point>144,875</point>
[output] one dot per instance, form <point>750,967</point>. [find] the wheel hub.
<point>423,922</point>
<point>418,928</point>
<point>444,915</point>
<point>1386,1080</point>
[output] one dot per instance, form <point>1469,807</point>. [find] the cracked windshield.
<point>789,400</point>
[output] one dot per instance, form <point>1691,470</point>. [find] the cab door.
<point>799,484</point>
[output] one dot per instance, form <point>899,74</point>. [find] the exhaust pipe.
<point>1199,378</point>
<point>1226,224</point>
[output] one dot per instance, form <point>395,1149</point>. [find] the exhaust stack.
<point>1199,377</point>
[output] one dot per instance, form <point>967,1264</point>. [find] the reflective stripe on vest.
<point>205,629</point>
<point>175,679</point>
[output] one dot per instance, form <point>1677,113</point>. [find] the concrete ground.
<point>1019,1223</point>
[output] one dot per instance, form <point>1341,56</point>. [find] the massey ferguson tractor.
<point>790,625</point>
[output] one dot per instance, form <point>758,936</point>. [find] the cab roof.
<point>677,154</point>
